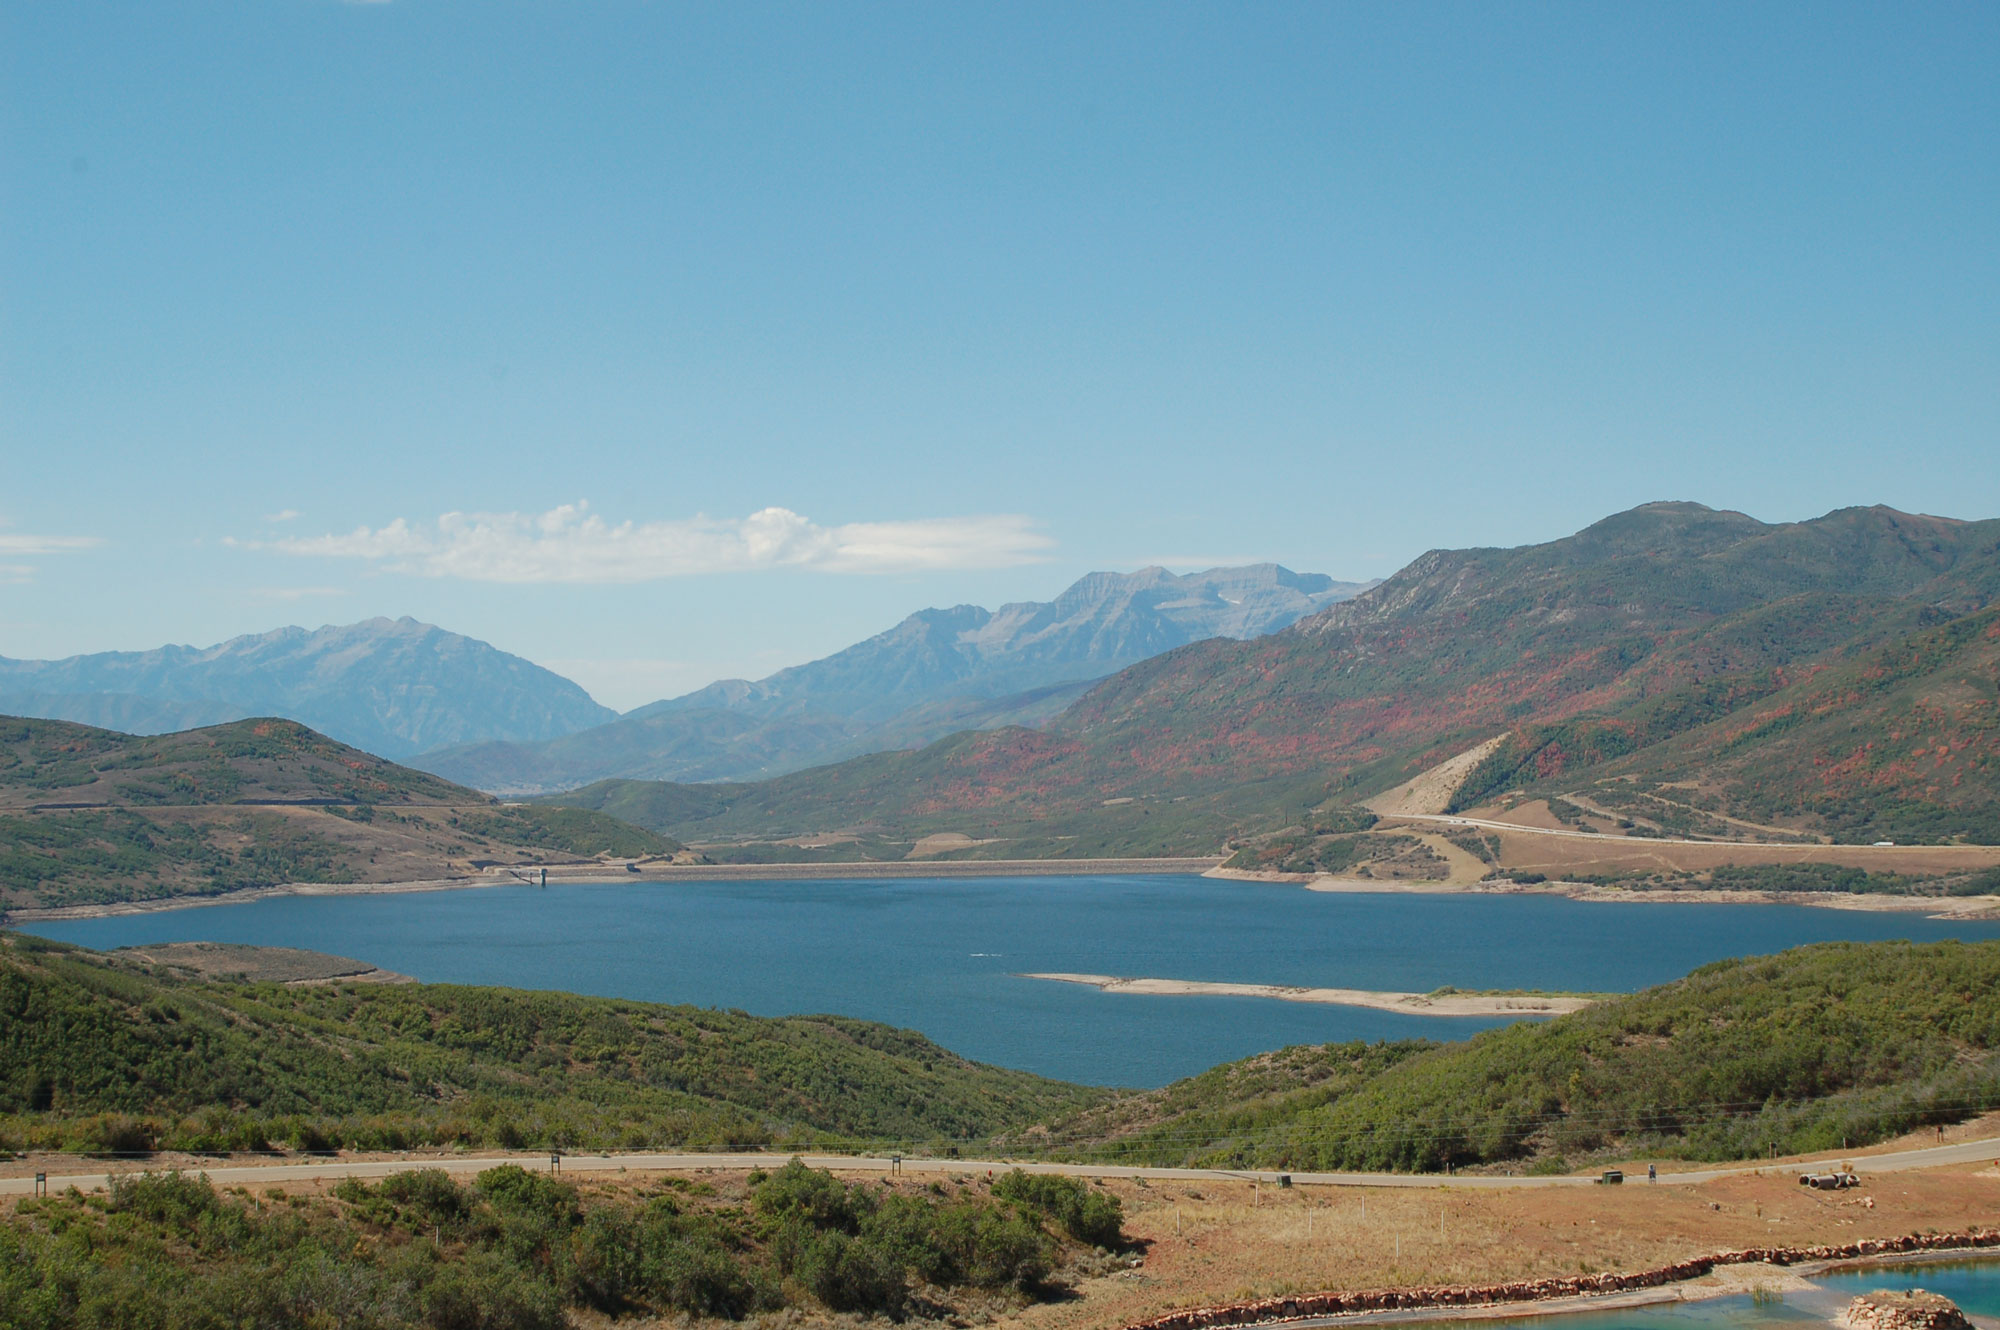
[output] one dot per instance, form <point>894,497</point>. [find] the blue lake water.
<point>944,956</point>
<point>1973,1285</point>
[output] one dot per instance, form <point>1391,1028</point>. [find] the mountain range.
<point>937,672</point>
<point>394,687</point>
<point>1839,676</point>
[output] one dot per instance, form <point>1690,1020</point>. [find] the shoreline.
<point>1577,1293</point>
<point>602,873</point>
<point>1409,1004</point>
<point>1729,1281</point>
<point>1936,907</point>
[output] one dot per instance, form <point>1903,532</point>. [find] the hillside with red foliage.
<point>1787,670</point>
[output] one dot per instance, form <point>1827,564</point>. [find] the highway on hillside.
<point>1452,819</point>
<point>313,1170</point>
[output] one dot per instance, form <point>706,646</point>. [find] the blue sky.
<point>980,297</point>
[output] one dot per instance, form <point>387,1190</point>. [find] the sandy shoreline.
<point>1410,1004</point>
<point>1936,907</point>
<point>655,873</point>
<point>1955,907</point>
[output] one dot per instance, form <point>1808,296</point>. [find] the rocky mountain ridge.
<point>937,672</point>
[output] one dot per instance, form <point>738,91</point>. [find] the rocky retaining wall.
<point>1913,1309</point>
<point>1535,1290</point>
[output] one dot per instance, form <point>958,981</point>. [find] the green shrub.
<point>173,1200</point>
<point>1084,1213</point>
<point>693,1272</point>
<point>514,1190</point>
<point>812,1196</point>
<point>486,1292</point>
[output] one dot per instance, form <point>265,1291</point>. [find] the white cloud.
<point>283,515</point>
<point>17,544</point>
<point>571,544</point>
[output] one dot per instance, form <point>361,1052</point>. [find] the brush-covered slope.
<point>1467,644</point>
<point>1657,621</point>
<point>393,686</point>
<point>44,762</point>
<point>90,816</point>
<point>1898,742</point>
<point>1802,1051</point>
<point>107,1052</point>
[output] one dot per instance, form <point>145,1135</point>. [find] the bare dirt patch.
<point>943,842</point>
<point>1431,791</point>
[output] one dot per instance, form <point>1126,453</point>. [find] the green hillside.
<point>101,1052</point>
<point>1815,1048</point>
<point>90,816</point>
<point>246,761</point>
<point>1796,1052</point>
<point>1671,630</point>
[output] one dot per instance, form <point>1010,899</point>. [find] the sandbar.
<point>1410,1004</point>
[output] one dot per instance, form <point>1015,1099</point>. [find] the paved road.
<point>1455,821</point>
<point>227,1174</point>
<point>1451,819</point>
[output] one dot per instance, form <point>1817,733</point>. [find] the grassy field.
<point>1210,1242</point>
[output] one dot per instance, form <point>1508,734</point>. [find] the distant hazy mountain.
<point>938,671</point>
<point>1101,624</point>
<point>393,687</point>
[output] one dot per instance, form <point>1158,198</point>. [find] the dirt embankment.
<point>1431,791</point>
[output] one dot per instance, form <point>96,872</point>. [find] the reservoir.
<point>946,956</point>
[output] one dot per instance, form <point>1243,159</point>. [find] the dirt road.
<point>312,1170</point>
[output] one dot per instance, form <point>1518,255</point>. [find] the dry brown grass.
<point>1210,1243</point>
